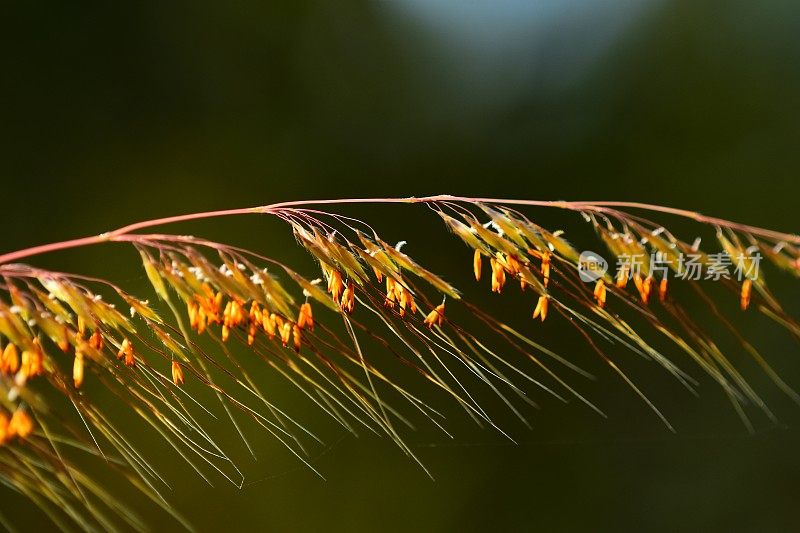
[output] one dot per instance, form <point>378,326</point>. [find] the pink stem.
<point>592,206</point>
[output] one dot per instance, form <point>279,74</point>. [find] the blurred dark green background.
<point>112,113</point>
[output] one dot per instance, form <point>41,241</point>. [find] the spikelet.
<point>126,353</point>
<point>279,322</point>
<point>297,337</point>
<point>546,259</point>
<point>202,320</point>
<point>20,425</point>
<point>286,333</point>
<point>622,276</point>
<point>744,297</point>
<point>77,369</point>
<point>391,292</point>
<point>232,317</point>
<point>96,340</point>
<point>435,317</point>
<point>512,264</point>
<point>644,286</point>
<point>600,292</point>
<point>305,318</point>
<point>541,307</point>
<point>177,373</point>
<point>254,315</point>
<point>268,324</point>
<point>498,274</point>
<point>378,274</point>
<point>252,329</point>
<point>62,341</point>
<point>406,301</point>
<point>477,264</point>
<point>10,359</point>
<point>335,284</point>
<point>193,311</point>
<point>348,298</point>
<point>31,362</point>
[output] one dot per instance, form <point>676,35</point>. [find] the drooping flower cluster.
<point>59,337</point>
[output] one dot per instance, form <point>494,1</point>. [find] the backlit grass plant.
<point>59,331</point>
